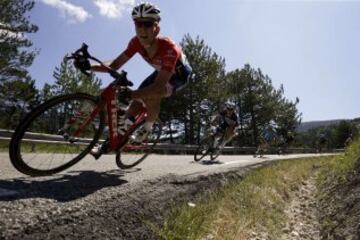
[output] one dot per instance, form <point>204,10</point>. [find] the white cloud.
<point>113,8</point>
<point>70,11</point>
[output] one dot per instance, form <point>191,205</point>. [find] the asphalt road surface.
<point>155,166</point>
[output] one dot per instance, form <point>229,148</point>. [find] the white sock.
<point>125,126</point>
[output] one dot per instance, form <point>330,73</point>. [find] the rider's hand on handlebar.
<point>82,63</point>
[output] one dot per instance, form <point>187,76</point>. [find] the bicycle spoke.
<point>45,143</point>
<point>133,153</point>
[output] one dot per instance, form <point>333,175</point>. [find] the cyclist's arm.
<point>155,90</point>
<point>215,119</point>
<point>115,64</point>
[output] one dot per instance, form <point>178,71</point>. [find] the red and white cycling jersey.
<point>165,58</point>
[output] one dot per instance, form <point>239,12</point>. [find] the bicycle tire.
<point>217,150</point>
<point>15,147</point>
<point>143,153</point>
<point>204,148</point>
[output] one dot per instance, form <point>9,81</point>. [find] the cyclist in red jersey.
<point>172,70</point>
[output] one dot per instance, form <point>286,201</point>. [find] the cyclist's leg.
<point>262,147</point>
<point>229,134</point>
<point>136,106</point>
<point>258,149</point>
<point>180,79</point>
<point>153,109</point>
<point>153,104</point>
<point>220,130</point>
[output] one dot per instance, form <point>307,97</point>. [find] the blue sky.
<point>311,47</point>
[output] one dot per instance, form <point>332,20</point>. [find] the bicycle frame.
<point>109,101</point>
<point>110,96</point>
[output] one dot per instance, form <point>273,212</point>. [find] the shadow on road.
<point>210,162</point>
<point>62,188</point>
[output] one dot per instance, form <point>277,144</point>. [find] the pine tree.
<point>70,80</point>
<point>207,82</point>
<point>15,52</point>
<point>17,89</point>
<point>17,97</point>
<point>259,103</point>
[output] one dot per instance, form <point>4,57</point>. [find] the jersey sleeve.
<point>133,47</point>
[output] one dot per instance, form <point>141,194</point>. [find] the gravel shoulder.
<point>118,211</point>
<point>302,213</point>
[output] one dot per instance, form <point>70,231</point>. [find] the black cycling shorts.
<point>177,81</point>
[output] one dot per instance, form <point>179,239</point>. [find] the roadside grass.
<point>336,170</point>
<point>255,203</point>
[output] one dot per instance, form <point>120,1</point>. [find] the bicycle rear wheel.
<point>204,148</point>
<point>217,149</point>
<point>44,142</point>
<point>132,153</point>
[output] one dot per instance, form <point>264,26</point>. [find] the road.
<point>154,167</point>
<point>96,200</point>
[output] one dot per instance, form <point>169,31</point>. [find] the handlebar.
<point>82,54</point>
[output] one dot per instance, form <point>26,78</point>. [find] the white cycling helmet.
<point>230,105</point>
<point>146,10</point>
<point>272,124</point>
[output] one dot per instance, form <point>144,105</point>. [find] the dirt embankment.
<point>331,213</point>
<point>340,208</point>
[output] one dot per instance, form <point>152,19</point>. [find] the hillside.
<point>305,126</point>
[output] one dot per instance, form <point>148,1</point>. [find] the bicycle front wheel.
<point>133,153</point>
<point>56,135</point>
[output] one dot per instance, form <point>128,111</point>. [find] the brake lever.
<point>82,52</point>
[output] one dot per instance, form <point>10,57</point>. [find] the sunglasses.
<point>145,24</point>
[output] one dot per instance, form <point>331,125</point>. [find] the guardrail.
<point>164,148</point>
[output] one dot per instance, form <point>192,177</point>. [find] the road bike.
<point>266,144</point>
<point>61,131</point>
<point>211,144</point>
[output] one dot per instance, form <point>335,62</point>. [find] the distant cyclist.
<point>286,141</point>
<point>348,141</point>
<point>322,141</point>
<point>267,138</point>
<point>171,73</point>
<point>228,121</point>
